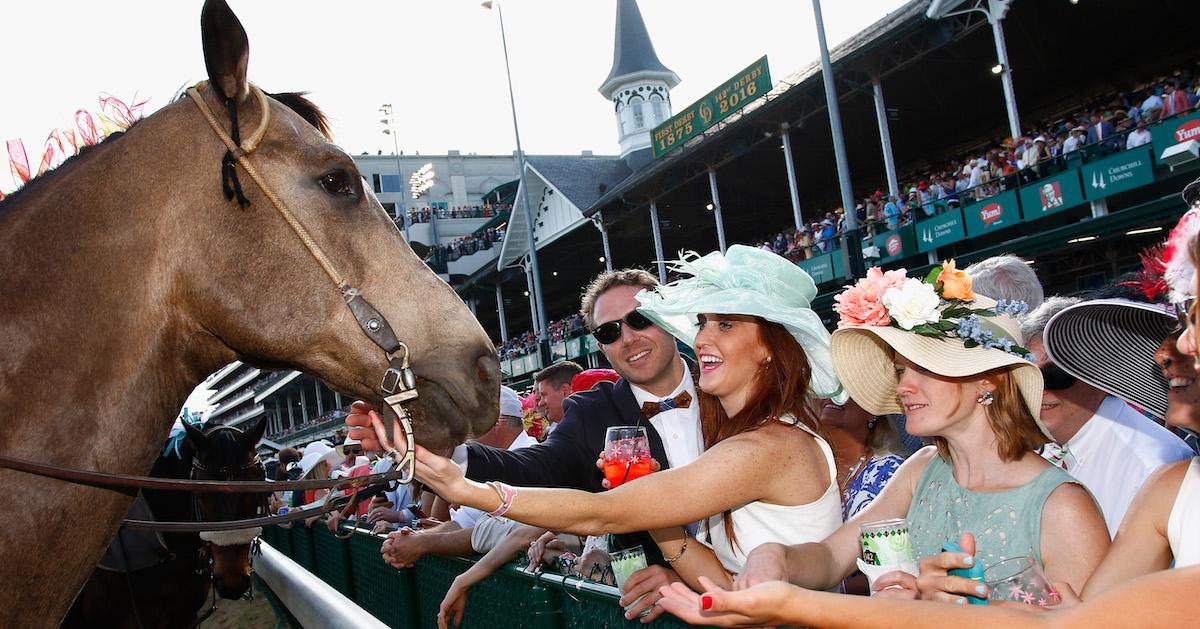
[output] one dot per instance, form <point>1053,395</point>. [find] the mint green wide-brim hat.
<point>746,281</point>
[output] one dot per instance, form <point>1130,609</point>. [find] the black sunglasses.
<point>606,333</point>
<point>1056,379</point>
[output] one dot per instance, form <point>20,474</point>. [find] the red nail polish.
<point>706,602</point>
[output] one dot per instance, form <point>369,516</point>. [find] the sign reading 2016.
<point>731,96</point>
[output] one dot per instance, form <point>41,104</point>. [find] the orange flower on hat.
<point>956,284</point>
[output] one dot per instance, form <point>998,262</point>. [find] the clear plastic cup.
<point>886,542</point>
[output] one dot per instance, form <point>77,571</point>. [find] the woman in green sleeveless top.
<point>952,363</point>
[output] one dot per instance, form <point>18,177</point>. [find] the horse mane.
<point>296,101</point>
<point>36,180</point>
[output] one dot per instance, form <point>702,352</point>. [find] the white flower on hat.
<point>913,304</point>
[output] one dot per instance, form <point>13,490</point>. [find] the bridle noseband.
<point>398,384</point>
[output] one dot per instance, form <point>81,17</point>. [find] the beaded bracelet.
<point>686,536</point>
<point>506,493</point>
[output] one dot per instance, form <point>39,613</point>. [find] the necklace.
<point>854,470</point>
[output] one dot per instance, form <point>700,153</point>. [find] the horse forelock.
<point>225,449</point>
<point>306,109</point>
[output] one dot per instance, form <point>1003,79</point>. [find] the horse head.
<point>226,453</point>
<point>273,304</point>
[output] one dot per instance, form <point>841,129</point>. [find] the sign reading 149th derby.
<point>731,96</point>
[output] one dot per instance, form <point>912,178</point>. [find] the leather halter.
<point>398,384</point>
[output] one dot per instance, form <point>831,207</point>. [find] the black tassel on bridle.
<point>229,177</point>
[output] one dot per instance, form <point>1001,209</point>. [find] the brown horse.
<point>128,276</point>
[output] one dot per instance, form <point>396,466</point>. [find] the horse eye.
<point>336,182</point>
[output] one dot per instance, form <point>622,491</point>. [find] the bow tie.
<point>683,400</point>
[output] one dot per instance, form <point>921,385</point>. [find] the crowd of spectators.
<point>1106,125</point>
<point>440,255</point>
<point>561,330</point>
<point>423,215</point>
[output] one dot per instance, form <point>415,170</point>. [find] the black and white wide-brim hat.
<point>1110,344</point>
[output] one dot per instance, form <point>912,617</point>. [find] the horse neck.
<point>96,328</point>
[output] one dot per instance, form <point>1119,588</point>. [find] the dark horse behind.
<point>149,579</point>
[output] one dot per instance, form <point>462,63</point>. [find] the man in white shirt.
<point>1076,140</point>
<point>1152,106</point>
<point>1138,137</point>
<point>1102,441</point>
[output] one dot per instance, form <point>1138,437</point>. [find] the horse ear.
<point>196,436</point>
<point>226,50</point>
<point>254,434</point>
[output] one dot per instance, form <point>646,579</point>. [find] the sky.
<point>439,63</point>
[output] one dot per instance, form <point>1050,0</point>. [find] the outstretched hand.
<point>754,607</point>
<point>359,420</point>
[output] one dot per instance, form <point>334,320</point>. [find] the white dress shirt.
<point>1115,451</point>
<point>679,428</point>
<point>1138,137</point>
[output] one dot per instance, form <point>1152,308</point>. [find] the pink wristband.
<point>507,494</point>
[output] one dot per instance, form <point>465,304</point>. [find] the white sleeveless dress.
<point>1183,527</point>
<point>758,522</point>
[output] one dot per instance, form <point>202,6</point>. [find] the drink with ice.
<point>626,454</point>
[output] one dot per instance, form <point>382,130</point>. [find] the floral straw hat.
<point>746,281</point>
<point>938,323</point>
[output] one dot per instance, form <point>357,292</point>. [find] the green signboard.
<point>826,267</point>
<point>506,367</point>
<point>1051,195</point>
<point>941,230</point>
<point>574,347</point>
<point>1124,171</point>
<point>558,351</point>
<point>590,344</point>
<point>895,244</point>
<point>1174,131</point>
<point>992,213</point>
<point>719,104</point>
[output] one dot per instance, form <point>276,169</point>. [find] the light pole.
<point>389,128</point>
<point>543,346</point>
<point>853,244</point>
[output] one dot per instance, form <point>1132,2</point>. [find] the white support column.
<point>598,222</point>
<point>793,187</point>
<point>320,402</point>
<point>533,304</point>
<point>1099,208</point>
<point>659,258</point>
<point>716,203</point>
<point>1010,95</point>
<point>500,313</point>
<point>885,137</point>
<point>303,405</point>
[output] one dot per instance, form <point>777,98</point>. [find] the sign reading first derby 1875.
<point>731,96</point>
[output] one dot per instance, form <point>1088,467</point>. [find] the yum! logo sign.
<point>991,213</point>
<point>1188,131</point>
<point>893,245</point>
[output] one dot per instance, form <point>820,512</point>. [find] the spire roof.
<point>633,52</point>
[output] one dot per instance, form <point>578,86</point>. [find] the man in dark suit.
<point>652,371</point>
<point>1102,131</point>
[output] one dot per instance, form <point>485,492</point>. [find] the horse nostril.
<point>487,368</point>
